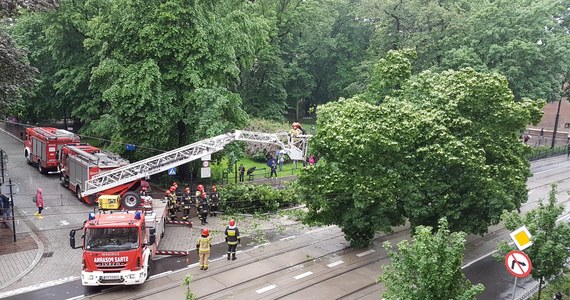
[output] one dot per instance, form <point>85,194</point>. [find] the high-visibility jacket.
<point>232,235</point>
<point>204,244</point>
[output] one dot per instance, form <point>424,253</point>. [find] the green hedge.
<point>248,198</point>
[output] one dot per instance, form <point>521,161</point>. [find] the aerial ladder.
<point>294,146</point>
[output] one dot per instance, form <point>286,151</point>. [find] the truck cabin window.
<point>111,239</point>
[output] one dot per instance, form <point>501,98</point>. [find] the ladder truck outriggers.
<point>43,143</point>
<point>123,179</point>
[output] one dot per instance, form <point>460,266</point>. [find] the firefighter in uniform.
<point>232,238</point>
<point>214,201</point>
<point>171,197</point>
<point>186,204</point>
<point>203,248</point>
<point>144,191</point>
<point>202,204</point>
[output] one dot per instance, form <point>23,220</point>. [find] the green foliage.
<point>429,268</point>
<point>442,145</point>
<point>526,41</point>
<point>188,295</point>
<point>560,284</point>
<point>246,198</point>
<point>389,73</point>
<point>551,240</point>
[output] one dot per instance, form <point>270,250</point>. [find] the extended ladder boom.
<point>296,148</point>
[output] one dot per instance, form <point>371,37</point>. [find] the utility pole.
<point>556,123</point>
<point>2,153</point>
<point>12,206</point>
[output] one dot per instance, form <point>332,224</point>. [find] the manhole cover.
<point>48,254</point>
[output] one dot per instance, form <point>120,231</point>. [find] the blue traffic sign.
<point>172,171</point>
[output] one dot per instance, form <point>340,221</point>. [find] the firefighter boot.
<point>234,256</point>
<point>228,256</point>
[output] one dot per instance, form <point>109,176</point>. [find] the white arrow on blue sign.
<point>172,171</point>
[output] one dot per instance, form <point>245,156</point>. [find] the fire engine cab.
<point>43,143</point>
<point>119,246</point>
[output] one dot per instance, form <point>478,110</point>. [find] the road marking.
<point>265,289</point>
<point>262,245</point>
<point>64,222</point>
<point>192,265</point>
<point>365,253</point>
<point>287,238</point>
<point>540,172</point>
<point>78,297</point>
<point>160,275</point>
<point>303,275</point>
<point>334,264</point>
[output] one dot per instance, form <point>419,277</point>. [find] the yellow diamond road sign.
<point>521,237</point>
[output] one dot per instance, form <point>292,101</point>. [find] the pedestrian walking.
<point>281,161</point>
<point>241,172</point>
<point>203,248</point>
<point>232,238</point>
<point>214,201</point>
<point>273,169</point>
<point>39,199</point>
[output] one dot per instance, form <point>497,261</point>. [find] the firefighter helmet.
<point>232,222</point>
<point>167,193</point>
<point>200,188</point>
<point>205,232</point>
<point>172,188</point>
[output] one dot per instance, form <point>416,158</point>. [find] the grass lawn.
<point>262,170</point>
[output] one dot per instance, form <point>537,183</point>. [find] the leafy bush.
<point>246,198</point>
<point>561,284</point>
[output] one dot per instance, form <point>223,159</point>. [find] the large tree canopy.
<point>439,145</point>
<point>527,41</point>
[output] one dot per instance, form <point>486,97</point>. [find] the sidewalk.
<point>20,257</point>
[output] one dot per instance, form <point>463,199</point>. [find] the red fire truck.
<point>119,246</point>
<point>80,162</point>
<point>43,143</point>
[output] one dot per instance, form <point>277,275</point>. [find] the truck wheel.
<point>148,269</point>
<point>131,200</point>
<point>40,168</point>
<point>27,156</point>
<point>78,193</point>
<point>90,200</point>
